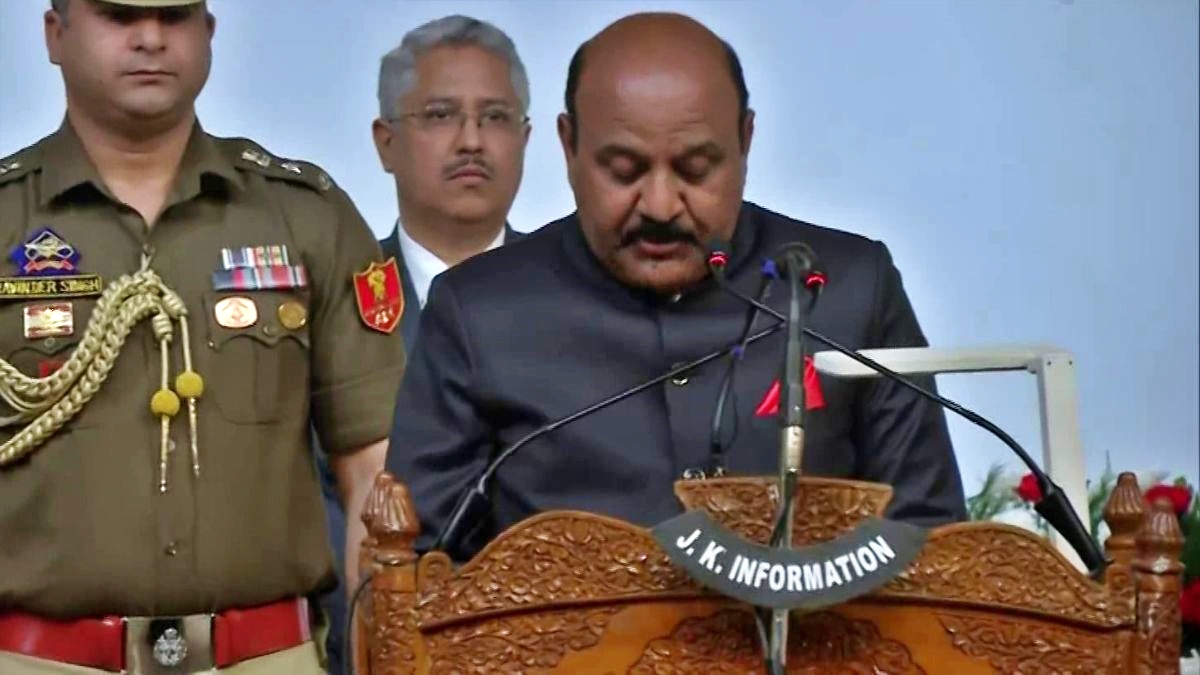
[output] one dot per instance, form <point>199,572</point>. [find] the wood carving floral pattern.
<point>727,643</point>
<point>1006,568</point>
<point>824,510</point>
<point>1019,647</point>
<point>520,643</point>
<point>557,558</point>
<point>433,572</point>
<point>1158,626</point>
<point>394,633</point>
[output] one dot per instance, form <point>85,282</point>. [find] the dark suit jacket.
<point>412,313</point>
<point>534,331</point>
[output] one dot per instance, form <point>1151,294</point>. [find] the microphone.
<point>1053,507</point>
<point>718,258</point>
<point>798,261</point>
<point>476,497</point>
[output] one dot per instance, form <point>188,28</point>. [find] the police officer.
<point>656,135</point>
<point>174,308</point>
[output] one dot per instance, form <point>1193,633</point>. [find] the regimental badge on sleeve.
<point>379,295</point>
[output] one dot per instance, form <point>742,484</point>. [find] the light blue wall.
<point>1031,163</point>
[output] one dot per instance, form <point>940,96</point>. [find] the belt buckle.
<point>168,645</point>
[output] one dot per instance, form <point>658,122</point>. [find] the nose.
<point>661,198</point>
<point>147,34</point>
<point>470,140</point>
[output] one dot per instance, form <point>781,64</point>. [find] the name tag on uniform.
<point>25,288</point>
<point>256,268</point>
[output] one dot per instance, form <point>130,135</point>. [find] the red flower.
<point>1189,603</point>
<point>1179,496</point>
<point>1029,490</point>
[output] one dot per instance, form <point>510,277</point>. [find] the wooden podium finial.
<point>1124,513</point>
<point>1158,569</point>
<point>391,520</point>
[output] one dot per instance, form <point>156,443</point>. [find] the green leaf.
<point>1098,494</point>
<point>995,496</point>
<point>1190,557</point>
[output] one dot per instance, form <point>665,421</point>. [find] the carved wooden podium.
<point>571,592</point>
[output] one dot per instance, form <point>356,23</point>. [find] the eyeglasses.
<point>452,119</point>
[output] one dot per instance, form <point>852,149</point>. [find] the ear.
<point>382,134</point>
<point>210,22</point>
<point>525,134</point>
<point>52,25</point>
<point>747,133</point>
<point>569,145</point>
<point>564,135</point>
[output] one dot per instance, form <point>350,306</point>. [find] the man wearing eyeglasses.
<point>452,130</point>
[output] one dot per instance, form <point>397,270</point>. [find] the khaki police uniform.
<point>157,386</point>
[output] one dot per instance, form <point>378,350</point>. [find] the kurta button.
<point>171,549</point>
<point>681,379</point>
<point>268,330</point>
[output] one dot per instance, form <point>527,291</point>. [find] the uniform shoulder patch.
<point>19,164</point>
<point>250,156</point>
<point>379,295</point>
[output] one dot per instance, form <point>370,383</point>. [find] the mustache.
<point>473,162</point>
<point>658,232</point>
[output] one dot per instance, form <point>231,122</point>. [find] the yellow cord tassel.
<point>164,403</point>
<point>42,405</point>
<point>190,386</point>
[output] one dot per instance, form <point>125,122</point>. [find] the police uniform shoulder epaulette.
<point>250,156</point>
<point>19,164</point>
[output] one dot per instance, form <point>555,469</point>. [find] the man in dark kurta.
<point>656,134</point>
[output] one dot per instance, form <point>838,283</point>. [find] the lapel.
<point>410,320</point>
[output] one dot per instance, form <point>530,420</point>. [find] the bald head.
<point>642,49</point>
<point>656,137</point>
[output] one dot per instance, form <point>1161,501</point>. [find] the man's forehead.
<point>656,125</point>
<point>150,3</point>
<point>443,73</point>
<point>144,7</point>
<point>639,88</point>
<point>686,143</point>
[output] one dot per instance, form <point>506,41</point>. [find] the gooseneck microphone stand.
<point>798,262</point>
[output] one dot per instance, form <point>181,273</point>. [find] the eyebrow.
<point>707,149</point>
<point>614,150</point>
<point>449,100</point>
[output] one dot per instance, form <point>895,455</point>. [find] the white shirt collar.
<point>423,265</point>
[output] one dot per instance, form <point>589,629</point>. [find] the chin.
<point>473,209</point>
<point>666,277</point>
<point>150,110</point>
